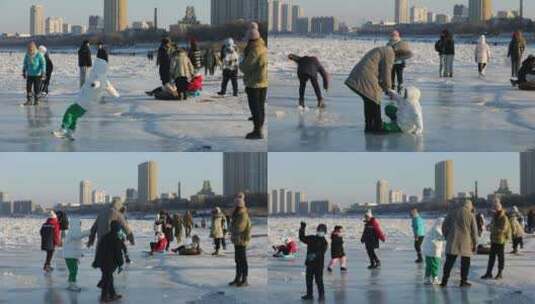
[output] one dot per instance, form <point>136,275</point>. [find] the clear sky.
<point>48,178</point>
<point>355,12</point>
<point>15,14</point>
<point>347,178</point>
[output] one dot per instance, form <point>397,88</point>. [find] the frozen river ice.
<point>465,113</point>
<point>158,279</point>
<point>135,122</point>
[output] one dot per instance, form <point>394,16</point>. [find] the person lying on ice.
<point>308,68</point>
<point>316,248</point>
<point>405,113</point>
<point>92,91</point>
<point>160,244</point>
<point>289,248</point>
<point>194,248</point>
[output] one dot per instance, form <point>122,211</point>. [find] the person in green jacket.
<point>500,233</point>
<point>418,229</point>
<point>240,231</point>
<point>34,71</point>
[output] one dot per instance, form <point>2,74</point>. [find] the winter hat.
<point>42,49</point>
<point>52,214</point>
<point>240,200</point>
<point>321,228</point>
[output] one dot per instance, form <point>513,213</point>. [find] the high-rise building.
<point>395,196</point>
<point>303,25</point>
<point>304,208</point>
<point>299,197</point>
<point>527,173</point>
<point>78,29</point>
<point>402,11</point>
<point>282,201</point>
<point>244,172</point>
<point>85,192</point>
<point>297,12</point>
<point>442,19</point>
<point>53,25</point>
<point>147,182</point>
<point>96,24</point>
<point>460,13</point>
<point>521,9</point>
<point>290,202</point>
<point>320,207</point>
<point>286,18</point>
<point>66,28</point>
<point>23,207</point>
<point>479,10</point>
<point>155,18</point>
<point>274,201</point>
<point>444,181</point>
<point>431,17</point>
<point>227,11</point>
<point>37,20</point>
<point>98,197</point>
<point>382,192</point>
<point>4,197</point>
<point>428,195</point>
<point>418,14</point>
<point>324,25</point>
<point>275,16</point>
<point>131,195</point>
<point>115,15</point>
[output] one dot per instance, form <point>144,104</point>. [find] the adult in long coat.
<point>516,51</point>
<point>217,229</point>
<point>102,224</point>
<point>460,231</point>
<point>240,231</point>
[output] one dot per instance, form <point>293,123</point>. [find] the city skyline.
<point>328,176</point>
<point>31,178</point>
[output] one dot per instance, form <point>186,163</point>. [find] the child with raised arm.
<point>315,259</point>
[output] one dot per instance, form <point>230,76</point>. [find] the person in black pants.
<point>108,258</point>
<point>448,266</point>
<point>399,65</point>
<point>102,53</point>
<point>164,61</point>
<point>315,259</point>
<point>49,69</point>
<point>33,70</point>
<point>370,237</point>
<point>229,58</point>
<point>500,231</point>
<point>307,70</point>
<point>256,98</point>
<point>372,115</point>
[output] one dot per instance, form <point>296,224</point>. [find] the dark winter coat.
<point>164,61</point>
<point>102,54</point>
<point>109,255</point>
<point>337,246</point>
<point>49,65</point>
<point>316,248</point>
<point>308,66</point>
<point>50,234</point>
<point>528,67</point>
<point>372,233</point>
<point>84,56</point>
<point>195,57</point>
<point>63,219</point>
<point>439,46</point>
<point>448,48</point>
<point>516,48</point>
<point>531,219</point>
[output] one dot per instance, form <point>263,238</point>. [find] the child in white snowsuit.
<point>405,113</point>
<point>433,247</point>
<point>73,250</point>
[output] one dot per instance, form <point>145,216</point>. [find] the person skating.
<point>240,232</point>
<point>372,234</point>
<point>482,55</point>
<point>109,258</point>
<point>160,245</point>
<point>515,52</point>
<point>500,233</point>
<point>50,239</point>
<point>371,78</point>
<point>49,70</point>
<point>255,77</point>
<point>84,61</point>
<point>315,259</point>
<point>229,58</point>
<point>433,247</point>
<point>102,53</point>
<point>216,230</point>
<point>448,50</point>
<point>178,227</point>
<point>439,48</point>
<point>289,248</point>
<point>517,232</point>
<point>399,64</point>
<point>308,68</point>
<point>418,231</point>
<point>188,223</point>
<point>210,62</point>
<point>338,254</point>
<point>460,231</point>
<point>73,251</point>
<point>194,55</point>
<point>34,71</point>
<point>164,61</point>
<point>182,71</point>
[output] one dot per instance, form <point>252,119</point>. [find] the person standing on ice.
<point>480,220</point>
<point>372,234</point>
<point>448,50</point>
<point>315,259</point>
<point>34,71</point>
<point>84,61</point>
<point>210,61</point>
<point>109,258</point>
<point>482,55</point>
<point>178,227</point>
<point>418,230</point>
<point>500,234</point>
<point>49,70</point>
<point>182,71</point>
<point>460,231</point>
<point>399,64</point>
<point>308,68</point>
<point>517,231</point>
<point>50,239</point>
<point>439,48</point>
<point>338,254</point>
<point>195,55</point>
<point>229,58</point>
<point>102,53</point>
<point>101,226</point>
<point>73,251</point>
<point>188,223</point>
<point>515,52</point>
<point>240,232</point>
<point>164,61</point>
<point>372,77</point>
<point>433,248</point>
<point>217,228</point>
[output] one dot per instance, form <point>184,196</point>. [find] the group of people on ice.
<point>458,234</point>
<point>111,231</point>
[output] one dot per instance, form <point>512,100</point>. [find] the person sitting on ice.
<point>526,75</point>
<point>288,249</point>
<point>337,250</point>
<point>194,87</point>
<point>73,250</point>
<point>92,91</point>
<point>433,248</point>
<point>406,113</point>
<point>159,245</point>
<point>315,259</point>
<point>182,71</point>
<point>308,68</point>
<point>50,239</point>
<point>191,247</point>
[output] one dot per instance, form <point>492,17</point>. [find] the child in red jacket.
<point>195,85</point>
<point>288,249</point>
<point>371,236</point>
<point>50,239</point>
<point>160,245</point>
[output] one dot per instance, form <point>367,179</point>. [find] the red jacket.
<point>57,231</point>
<point>378,230</point>
<point>195,84</point>
<point>292,247</point>
<point>160,245</point>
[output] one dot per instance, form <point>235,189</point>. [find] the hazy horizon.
<point>49,178</point>
<point>347,178</point>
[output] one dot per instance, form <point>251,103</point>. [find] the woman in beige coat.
<point>217,229</point>
<point>240,231</point>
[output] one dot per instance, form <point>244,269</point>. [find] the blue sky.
<point>346,178</point>
<point>14,14</point>
<point>355,12</point>
<point>51,177</point>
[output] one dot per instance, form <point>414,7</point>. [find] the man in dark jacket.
<point>448,49</point>
<point>316,248</point>
<point>49,69</point>
<point>370,238</point>
<point>102,53</point>
<point>84,61</point>
<point>164,61</point>
<point>108,258</point>
<point>307,69</point>
<point>439,48</point>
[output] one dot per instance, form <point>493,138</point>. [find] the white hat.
<point>42,49</point>
<point>52,214</point>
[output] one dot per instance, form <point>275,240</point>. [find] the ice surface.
<point>157,279</point>
<point>135,122</point>
<point>399,280</point>
<point>465,113</point>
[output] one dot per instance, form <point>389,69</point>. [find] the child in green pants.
<point>73,251</point>
<point>433,247</point>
